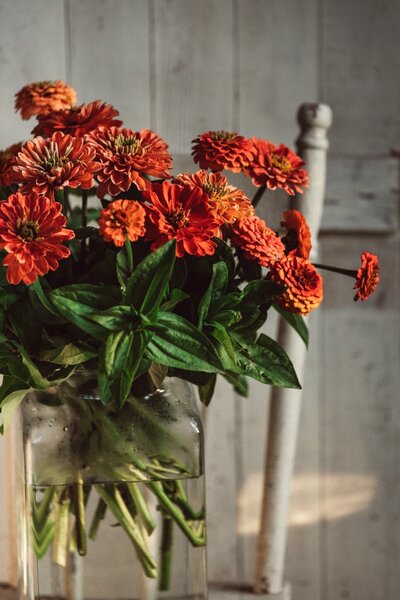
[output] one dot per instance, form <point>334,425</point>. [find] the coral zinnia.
<point>40,97</point>
<point>181,213</point>
<point>77,120</point>
<point>32,232</point>
<point>367,276</point>
<point>298,238</point>
<point>276,167</point>
<point>227,202</point>
<point>45,165</point>
<point>126,156</point>
<point>6,161</point>
<point>218,150</point>
<point>257,241</point>
<point>121,220</point>
<point>304,290</point>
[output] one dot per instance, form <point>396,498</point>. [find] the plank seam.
<point>67,41</point>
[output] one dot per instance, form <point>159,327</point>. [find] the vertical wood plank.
<point>193,69</point>
<point>277,65</point>
<point>4,533</point>
<point>32,48</point>
<point>360,74</point>
<point>109,55</point>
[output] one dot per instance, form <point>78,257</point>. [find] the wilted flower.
<point>32,233</point>
<point>40,97</point>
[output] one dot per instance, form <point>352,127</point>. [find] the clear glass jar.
<point>112,500</point>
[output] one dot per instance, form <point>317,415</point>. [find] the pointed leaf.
<point>296,321</point>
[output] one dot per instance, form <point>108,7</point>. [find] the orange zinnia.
<point>40,97</point>
<point>298,238</point>
<point>181,213</point>
<point>257,241</point>
<point>304,290</point>
<point>218,150</point>
<point>77,120</point>
<point>122,220</point>
<point>276,167</point>
<point>32,233</point>
<point>6,162</point>
<point>226,201</point>
<point>126,156</point>
<point>367,276</point>
<point>44,165</point>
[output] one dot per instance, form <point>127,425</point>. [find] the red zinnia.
<point>298,238</point>
<point>181,213</point>
<point>276,167</point>
<point>78,120</point>
<point>367,277</point>
<point>40,97</point>
<point>32,232</point>
<point>227,202</point>
<point>121,220</point>
<point>304,290</point>
<point>126,156</point>
<point>6,162</point>
<point>257,241</point>
<point>45,165</point>
<point>218,150</point>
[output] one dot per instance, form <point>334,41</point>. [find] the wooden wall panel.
<point>32,48</point>
<point>277,58</point>
<point>360,74</point>
<point>193,69</point>
<point>109,55</point>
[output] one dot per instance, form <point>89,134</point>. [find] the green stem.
<point>43,510</point>
<point>166,553</point>
<point>129,255</point>
<point>349,272</point>
<point>61,532</point>
<point>258,195</point>
<point>141,506</point>
<point>79,508</point>
<point>97,518</point>
<point>183,503</point>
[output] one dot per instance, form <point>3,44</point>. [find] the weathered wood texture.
<point>185,67</point>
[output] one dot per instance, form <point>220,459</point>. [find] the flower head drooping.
<point>218,150</point>
<point>298,238</point>
<point>45,165</point>
<point>304,288</point>
<point>122,220</point>
<point>78,120</point>
<point>226,202</point>
<point>6,162</point>
<point>257,241</point>
<point>181,213</point>
<point>32,233</point>
<point>367,277</point>
<point>126,156</point>
<point>276,167</point>
<point>40,97</point>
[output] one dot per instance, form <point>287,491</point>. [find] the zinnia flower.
<point>181,213</point>
<point>126,156</point>
<point>226,201</point>
<point>6,162</point>
<point>298,238</point>
<point>218,150</point>
<point>77,120</point>
<point>304,290</point>
<point>367,276</point>
<point>40,97</point>
<point>257,241</point>
<point>45,165</point>
<point>32,233</point>
<point>121,220</point>
<point>276,167</point>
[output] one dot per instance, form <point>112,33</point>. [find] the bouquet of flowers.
<point>114,267</point>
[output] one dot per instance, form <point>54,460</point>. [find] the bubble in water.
<point>51,422</point>
<point>65,428</point>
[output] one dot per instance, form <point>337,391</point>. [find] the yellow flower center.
<point>127,145</point>
<point>28,230</point>
<point>223,136</point>
<point>178,218</point>
<point>213,189</point>
<point>52,157</point>
<point>281,163</point>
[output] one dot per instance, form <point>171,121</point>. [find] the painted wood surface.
<point>185,67</point>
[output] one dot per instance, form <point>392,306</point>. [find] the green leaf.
<point>215,290</point>
<point>296,321</point>
<point>175,297</point>
<point>31,373</point>
<point>158,373</point>
<point>68,354</point>
<point>206,390</point>
<point>11,395</point>
<point>7,298</point>
<point>178,343</point>
<point>239,383</point>
<point>136,348</point>
<point>117,318</point>
<point>146,287</point>
<point>123,265</point>
<point>266,361</point>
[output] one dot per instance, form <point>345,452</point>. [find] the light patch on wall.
<point>314,498</point>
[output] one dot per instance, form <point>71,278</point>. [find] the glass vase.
<point>111,501</point>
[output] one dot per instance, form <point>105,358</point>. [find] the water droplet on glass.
<point>65,428</point>
<point>51,422</point>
